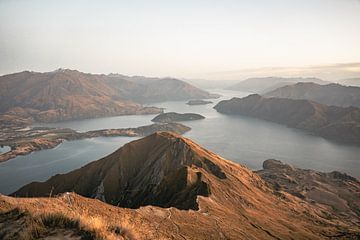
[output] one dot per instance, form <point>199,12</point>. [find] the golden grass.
<point>21,224</point>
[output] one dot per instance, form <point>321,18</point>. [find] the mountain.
<point>63,95</point>
<point>336,123</point>
<point>179,191</point>
<point>69,94</point>
<point>149,90</point>
<point>331,94</point>
<point>266,84</point>
<point>350,82</point>
<point>153,171</point>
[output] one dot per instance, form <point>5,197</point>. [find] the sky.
<point>186,39</point>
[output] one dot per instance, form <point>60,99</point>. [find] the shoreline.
<point>36,139</point>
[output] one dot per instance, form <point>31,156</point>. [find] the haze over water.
<point>241,139</point>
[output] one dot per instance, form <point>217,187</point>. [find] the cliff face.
<point>331,94</point>
<point>70,94</point>
<point>336,123</point>
<point>173,174</point>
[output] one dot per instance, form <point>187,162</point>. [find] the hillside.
<point>69,94</point>
<point>219,199</point>
<point>331,94</point>
<point>266,84</point>
<point>149,90</point>
<point>336,123</point>
<point>337,191</point>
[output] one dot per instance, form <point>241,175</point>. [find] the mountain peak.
<point>173,173</point>
<point>163,169</point>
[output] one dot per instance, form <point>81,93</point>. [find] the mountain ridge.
<point>330,94</point>
<point>69,94</point>
<point>226,200</point>
<point>261,85</point>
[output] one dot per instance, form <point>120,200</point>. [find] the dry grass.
<point>21,224</point>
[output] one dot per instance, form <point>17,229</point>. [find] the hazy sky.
<point>185,38</point>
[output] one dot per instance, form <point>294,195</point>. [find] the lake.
<point>241,139</point>
<point>4,149</point>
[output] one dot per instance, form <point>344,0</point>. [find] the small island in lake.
<point>176,117</point>
<point>198,102</point>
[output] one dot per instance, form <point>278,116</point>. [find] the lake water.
<point>242,139</point>
<point>4,149</point>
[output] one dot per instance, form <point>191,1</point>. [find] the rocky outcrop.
<point>338,192</point>
<point>335,123</point>
<point>176,117</point>
<point>331,94</point>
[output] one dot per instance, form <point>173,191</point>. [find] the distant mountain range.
<point>193,193</point>
<point>336,123</point>
<point>350,82</point>
<point>69,94</point>
<point>330,94</point>
<point>266,84</point>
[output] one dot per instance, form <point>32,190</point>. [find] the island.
<point>198,102</point>
<point>176,117</point>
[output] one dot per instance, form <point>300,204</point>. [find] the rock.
<point>338,191</point>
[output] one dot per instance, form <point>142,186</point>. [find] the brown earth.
<point>338,192</point>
